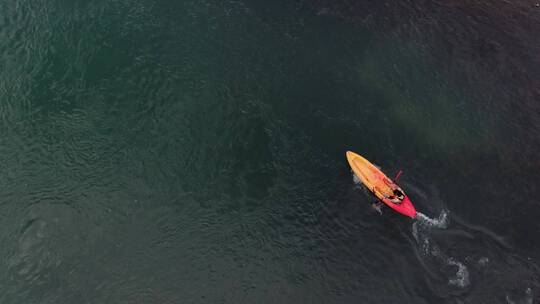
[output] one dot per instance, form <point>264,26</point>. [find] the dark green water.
<point>193,152</point>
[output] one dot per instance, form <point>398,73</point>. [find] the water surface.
<point>194,152</point>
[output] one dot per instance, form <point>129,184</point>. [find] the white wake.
<point>421,231</point>
<point>439,222</point>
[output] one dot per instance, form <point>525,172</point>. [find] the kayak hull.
<point>378,183</point>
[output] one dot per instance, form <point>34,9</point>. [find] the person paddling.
<point>394,193</point>
<point>398,196</point>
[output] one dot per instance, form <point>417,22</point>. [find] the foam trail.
<point>421,231</point>
<point>462,275</point>
<point>440,222</point>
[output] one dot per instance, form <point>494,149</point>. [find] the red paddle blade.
<point>398,175</point>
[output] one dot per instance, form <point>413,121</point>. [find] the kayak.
<point>379,184</point>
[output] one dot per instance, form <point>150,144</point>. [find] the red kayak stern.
<point>406,207</point>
